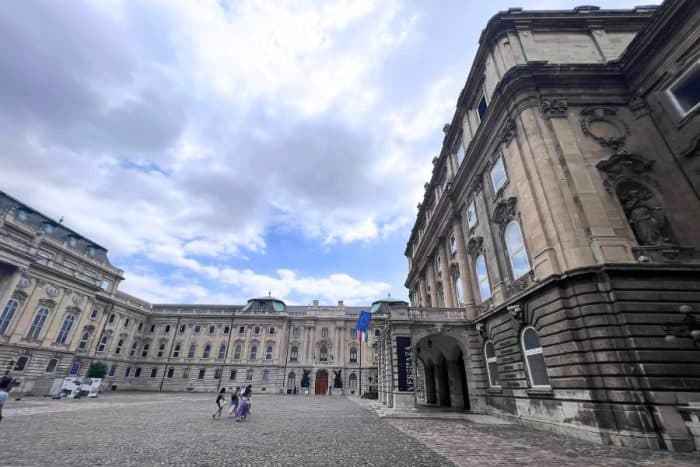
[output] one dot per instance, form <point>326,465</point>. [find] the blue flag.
<point>363,321</point>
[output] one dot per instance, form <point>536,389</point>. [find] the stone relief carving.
<point>554,107</point>
<point>606,117</point>
<point>504,211</point>
<point>51,291</point>
<point>477,185</point>
<point>645,216</point>
<point>623,165</point>
<point>474,246</point>
<point>508,131</point>
<point>23,282</point>
<point>517,286</point>
<point>47,303</point>
<point>481,329</point>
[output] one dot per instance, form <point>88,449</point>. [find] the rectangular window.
<point>152,328</point>
<point>226,329</point>
<point>324,332</point>
<point>74,368</point>
<point>217,373</point>
<point>212,328</point>
<point>94,313</point>
<point>197,328</point>
<point>127,321</point>
<point>241,329</point>
<point>232,375</point>
<point>127,372</point>
<point>186,373</point>
<point>154,372</point>
<point>296,331</point>
<point>106,285</point>
<point>183,328</point>
<point>459,155</point>
<point>685,91</point>
<point>471,216</point>
<point>271,331</point>
<point>481,107</point>
<point>171,372</point>
<point>201,374</point>
<point>499,178</point>
<point>137,373</point>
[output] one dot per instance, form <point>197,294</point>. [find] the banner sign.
<point>404,360</point>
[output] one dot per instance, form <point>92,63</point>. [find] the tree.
<point>97,370</point>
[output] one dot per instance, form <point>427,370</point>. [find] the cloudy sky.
<point>221,149</point>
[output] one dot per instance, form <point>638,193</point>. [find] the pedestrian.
<point>5,385</point>
<point>244,406</point>
<point>235,399</point>
<point>219,403</point>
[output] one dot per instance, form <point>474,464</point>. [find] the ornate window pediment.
<point>475,246</point>
<point>623,165</point>
<point>504,212</point>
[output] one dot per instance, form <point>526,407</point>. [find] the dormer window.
<point>91,251</point>
<point>21,214</point>
<point>72,241</point>
<point>47,228</point>
<point>481,107</point>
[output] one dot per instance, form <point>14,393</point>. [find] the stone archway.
<point>445,375</point>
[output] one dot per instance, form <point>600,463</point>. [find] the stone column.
<point>432,280</point>
<point>447,288</point>
<point>465,272</point>
<point>421,289</point>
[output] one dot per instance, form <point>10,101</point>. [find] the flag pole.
<point>360,369</point>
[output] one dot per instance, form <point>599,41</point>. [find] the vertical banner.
<point>404,363</point>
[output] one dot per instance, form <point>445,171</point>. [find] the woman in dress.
<point>244,404</point>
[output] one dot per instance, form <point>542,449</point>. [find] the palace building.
<point>62,310</point>
<point>554,265</point>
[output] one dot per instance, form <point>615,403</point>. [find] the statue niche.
<point>644,214</point>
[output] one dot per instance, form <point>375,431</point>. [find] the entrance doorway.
<point>321,387</point>
<point>444,372</point>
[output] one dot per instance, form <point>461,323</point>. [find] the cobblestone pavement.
<point>473,444</point>
<point>147,429</point>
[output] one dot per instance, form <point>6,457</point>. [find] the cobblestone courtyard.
<point>146,429</point>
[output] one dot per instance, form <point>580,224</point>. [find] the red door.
<point>321,387</point>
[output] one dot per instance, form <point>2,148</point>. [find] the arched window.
<point>103,343</point>
<point>534,359</point>
<point>222,351</point>
<point>237,352</point>
<point>7,314</point>
<point>207,351</point>
<point>176,351</point>
<point>268,353</point>
<point>113,369</point>
<point>254,352</point>
<point>118,348</point>
<point>51,367</point>
<point>492,365</point>
<point>353,355</point>
<point>193,349</point>
<point>291,380</point>
<point>353,381</point>
<point>515,245</point>
<point>482,277</point>
<point>85,338</point>
<point>65,329</point>
<point>38,323</point>
<point>323,353</point>
<point>161,350</point>
<point>294,354</point>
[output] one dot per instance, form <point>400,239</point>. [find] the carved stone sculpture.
<point>647,222</point>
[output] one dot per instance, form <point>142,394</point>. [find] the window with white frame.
<point>685,91</point>
<point>171,373</point>
<point>222,351</point>
<point>154,372</point>
<point>227,329</point>
<point>94,313</point>
<point>266,376</point>
<point>241,329</point>
<point>482,277</point>
<point>21,363</point>
<point>232,375</point>
<point>324,332</point>
<point>186,373</point>
<point>353,333</point>
<point>515,246</point>
<point>353,355</point>
<point>197,328</point>
<point>257,330</point>
<point>237,352</point>
<point>65,329</point>
<point>127,372</point>
<point>268,353</point>
<point>217,373</point>
<point>498,174</point>
<point>166,329</point>
<point>152,328</point>
<point>212,329</point>
<point>183,328</point>
<point>112,369</point>
<point>202,373</point>
<point>103,343</point>
<point>254,352</point>
<point>7,314</point>
<point>38,323</point>
<point>249,374</point>
<point>271,330</point>
<point>144,349</point>
<point>353,381</point>
<point>84,339</point>
<point>291,380</point>
<point>112,317</point>
<point>74,368</point>
<point>127,321</point>
<point>118,348</point>
<point>471,216</point>
<point>207,351</point>
<point>134,346</point>
<point>161,350</point>
<point>296,332</point>
<point>534,359</point>
<point>492,365</point>
<point>176,350</point>
<point>294,354</point>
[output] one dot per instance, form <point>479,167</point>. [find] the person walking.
<point>244,406</point>
<point>5,385</point>
<point>219,403</point>
<point>235,399</point>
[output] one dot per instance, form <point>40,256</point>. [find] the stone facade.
<point>563,220</point>
<point>63,310</point>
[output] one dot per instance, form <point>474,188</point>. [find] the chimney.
<point>340,304</point>
<point>316,303</point>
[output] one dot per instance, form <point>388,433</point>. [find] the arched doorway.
<point>444,371</point>
<point>321,387</point>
